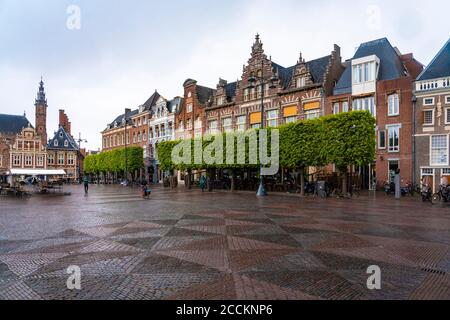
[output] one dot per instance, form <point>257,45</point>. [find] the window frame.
<point>396,107</point>
<point>241,126</point>
<point>429,104</point>
<point>447,116</point>
<point>384,140</point>
<point>393,148</point>
<point>447,99</point>
<point>336,108</point>
<point>432,117</point>
<point>273,117</point>
<point>432,149</point>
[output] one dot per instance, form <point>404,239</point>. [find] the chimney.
<point>64,121</point>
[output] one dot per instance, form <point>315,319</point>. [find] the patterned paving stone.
<point>193,245</point>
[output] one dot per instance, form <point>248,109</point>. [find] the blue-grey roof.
<point>317,69</point>
<point>391,66</point>
<point>62,136</point>
<point>12,124</point>
<point>172,104</point>
<point>230,89</point>
<point>439,66</point>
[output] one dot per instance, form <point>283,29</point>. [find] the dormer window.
<point>364,72</point>
<point>60,134</point>
<point>55,143</point>
<point>66,143</point>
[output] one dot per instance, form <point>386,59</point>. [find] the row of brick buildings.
<point>25,148</point>
<point>393,86</point>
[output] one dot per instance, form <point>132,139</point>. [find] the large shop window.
<point>394,139</point>
<point>365,104</point>
<point>439,150</point>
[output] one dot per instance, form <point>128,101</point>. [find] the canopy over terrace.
<point>36,172</point>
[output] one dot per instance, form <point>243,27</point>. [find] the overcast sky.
<point>125,49</point>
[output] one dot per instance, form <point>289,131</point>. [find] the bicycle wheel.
<point>436,198</point>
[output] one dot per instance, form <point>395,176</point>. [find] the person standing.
<point>86,184</point>
<point>203,183</point>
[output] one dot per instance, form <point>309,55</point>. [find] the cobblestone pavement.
<point>189,245</point>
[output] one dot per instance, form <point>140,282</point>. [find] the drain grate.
<point>434,271</point>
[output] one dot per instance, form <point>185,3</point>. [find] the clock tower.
<point>41,113</point>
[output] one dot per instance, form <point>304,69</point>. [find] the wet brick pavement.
<point>189,245</point>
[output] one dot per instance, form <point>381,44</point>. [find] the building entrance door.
<point>393,167</point>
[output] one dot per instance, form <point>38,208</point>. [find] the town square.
<point>228,158</point>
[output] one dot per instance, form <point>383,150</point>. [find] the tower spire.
<point>41,93</point>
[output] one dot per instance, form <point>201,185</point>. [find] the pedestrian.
<point>86,184</point>
<point>203,183</point>
<point>145,190</point>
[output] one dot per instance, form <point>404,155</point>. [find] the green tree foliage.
<point>114,161</point>
<point>343,139</point>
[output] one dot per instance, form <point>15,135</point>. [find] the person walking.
<point>86,184</point>
<point>203,183</point>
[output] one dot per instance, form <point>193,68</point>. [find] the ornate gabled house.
<point>10,127</point>
<point>161,128</point>
<point>290,94</point>
<point>432,120</point>
<point>63,152</point>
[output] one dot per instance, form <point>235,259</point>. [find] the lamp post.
<point>80,140</point>
<point>126,144</point>
<point>253,80</point>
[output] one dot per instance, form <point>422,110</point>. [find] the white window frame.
<point>365,104</point>
<point>189,107</point>
<point>70,159</point>
<point>393,110</point>
<point>60,159</point>
<point>429,104</point>
<point>432,117</point>
<point>431,149</point>
<point>312,114</point>
<point>51,159</point>
<point>213,129</point>
<point>345,106</point>
<point>336,108</point>
<point>447,100</point>
<point>28,160</point>
<point>17,160</point>
<point>227,127</point>
<point>272,118</point>
<point>379,140</point>
<point>445,171</point>
<point>447,115</point>
<point>290,119</point>
<point>241,123</point>
<point>389,128</point>
<point>40,161</point>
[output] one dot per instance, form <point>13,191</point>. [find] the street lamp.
<point>80,140</point>
<point>126,145</point>
<point>254,81</point>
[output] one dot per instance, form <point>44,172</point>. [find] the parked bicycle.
<point>442,196</point>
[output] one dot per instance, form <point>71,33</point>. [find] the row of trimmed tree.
<point>111,165</point>
<point>344,140</point>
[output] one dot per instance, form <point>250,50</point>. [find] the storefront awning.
<point>36,172</point>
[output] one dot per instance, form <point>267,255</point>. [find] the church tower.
<point>41,113</point>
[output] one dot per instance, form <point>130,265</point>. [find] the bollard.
<point>397,180</point>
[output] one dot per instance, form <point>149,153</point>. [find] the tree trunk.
<point>344,172</point>
<point>233,181</point>
<point>302,182</point>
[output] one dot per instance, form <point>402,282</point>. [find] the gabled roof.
<point>439,66</point>
<point>317,69</point>
<point>151,101</point>
<point>61,136</point>
<point>174,103</point>
<point>204,94</point>
<point>391,66</point>
<point>230,89</point>
<point>12,124</point>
